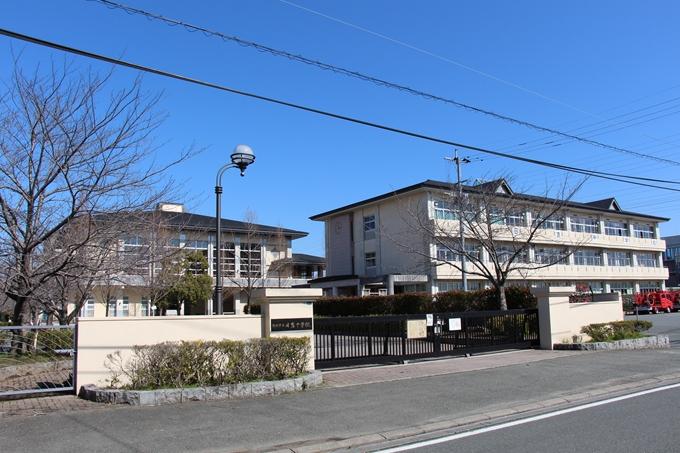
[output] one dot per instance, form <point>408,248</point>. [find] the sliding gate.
<point>36,360</point>
<point>354,340</point>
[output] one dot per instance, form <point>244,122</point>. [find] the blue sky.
<point>564,65</point>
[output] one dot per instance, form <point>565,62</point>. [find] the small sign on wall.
<point>416,328</point>
<point>288,324</point>
<point>430,320</point>
<point>454,324</point>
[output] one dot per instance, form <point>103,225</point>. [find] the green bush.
<point>418,303</point>
<point>204,363</point>
<point>617,330</point>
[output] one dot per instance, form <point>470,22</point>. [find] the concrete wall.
<point>560,320</point>
<point>98,337</point>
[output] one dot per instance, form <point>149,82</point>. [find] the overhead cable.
<point>371,79</point>
<point>116,61</point>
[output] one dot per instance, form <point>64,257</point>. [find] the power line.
<point>597,174</point>
<point>375,80</point>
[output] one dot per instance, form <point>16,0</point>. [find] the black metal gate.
<point>378,339</point>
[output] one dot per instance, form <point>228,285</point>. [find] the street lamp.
<point>241,157</point>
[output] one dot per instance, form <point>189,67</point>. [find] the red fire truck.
<point>658,301</point>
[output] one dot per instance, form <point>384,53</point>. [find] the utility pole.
<point>461,228</point>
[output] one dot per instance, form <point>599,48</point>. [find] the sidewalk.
<point>372,375</point>
<point>32,407</point>
<point>344,413</point>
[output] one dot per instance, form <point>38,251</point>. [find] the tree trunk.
<point>501,296</point>
<point>18,313</point>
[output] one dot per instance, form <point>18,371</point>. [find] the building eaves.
<point>440,185</point>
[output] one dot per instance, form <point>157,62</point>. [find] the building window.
<point>444,286</point>
<point>549,255</point>
<point>444,210</point>
<point>506,252</point>
<point>612,228</point>
<point>145,307</point>
<point>251,260</point>
<point>445,253</point>
<point>621,287</point>
<point>119,308</point>
<point>369,227</point>
<point>643,231</point>
<point>587,258</point>
<point>369,259</point>
<point>551,223</point>
<point>646,287</point>
<point>647,260</point>
<point>228,259</point>
<point>584,225</point>
<point>87,310</point>
<point>618,258</point>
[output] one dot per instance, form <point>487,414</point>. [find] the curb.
<point>650,342</point>
<point>473,419</point>
<point>163,397</point>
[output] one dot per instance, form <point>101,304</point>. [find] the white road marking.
<point>523,421</point>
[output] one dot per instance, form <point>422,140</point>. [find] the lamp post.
<point>241,157</point>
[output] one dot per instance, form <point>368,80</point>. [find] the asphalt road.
<point>642,424</point>
<point>666,324</point>
<point>330,413</point>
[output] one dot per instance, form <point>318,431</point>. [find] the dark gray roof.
<point>605,203</point>
<point>672,240</point>
<point>190,221</point>
<point>303,258</point>
<point>440,185</point>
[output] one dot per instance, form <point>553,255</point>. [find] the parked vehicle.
<point>657,301</point>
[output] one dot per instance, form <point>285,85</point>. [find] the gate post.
<point>288,312</point>
<point>553,304</point>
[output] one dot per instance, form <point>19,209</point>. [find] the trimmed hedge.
<point>208,363</point>
<point>617,330</point>
<point>418,303</point>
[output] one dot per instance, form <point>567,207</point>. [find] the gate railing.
<point>373,339</point>
<point>36,359</point>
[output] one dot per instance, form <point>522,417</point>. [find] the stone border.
<point>651,342</point>
<point>172,396</point>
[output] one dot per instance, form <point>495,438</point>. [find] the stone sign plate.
<point>416,328</point>
<point>288,324</point>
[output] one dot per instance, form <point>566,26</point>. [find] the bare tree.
<point>248,273</point>
<point>69,149</point>
<point>500,230</point>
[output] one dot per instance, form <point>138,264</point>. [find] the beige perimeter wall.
<point>560,320</point>
<point>99,337</point>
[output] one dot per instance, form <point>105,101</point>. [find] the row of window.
<point>446,211</point>
<point>117,308</point>
<point>624,287</point>
<point>554,255</point>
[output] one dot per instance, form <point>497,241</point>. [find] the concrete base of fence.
<point>172,396</point>
<point>652,342</point>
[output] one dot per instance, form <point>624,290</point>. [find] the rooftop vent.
<point>170,207</point>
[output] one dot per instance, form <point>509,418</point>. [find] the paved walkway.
<point>31,407</point>
<point>372,375</point>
